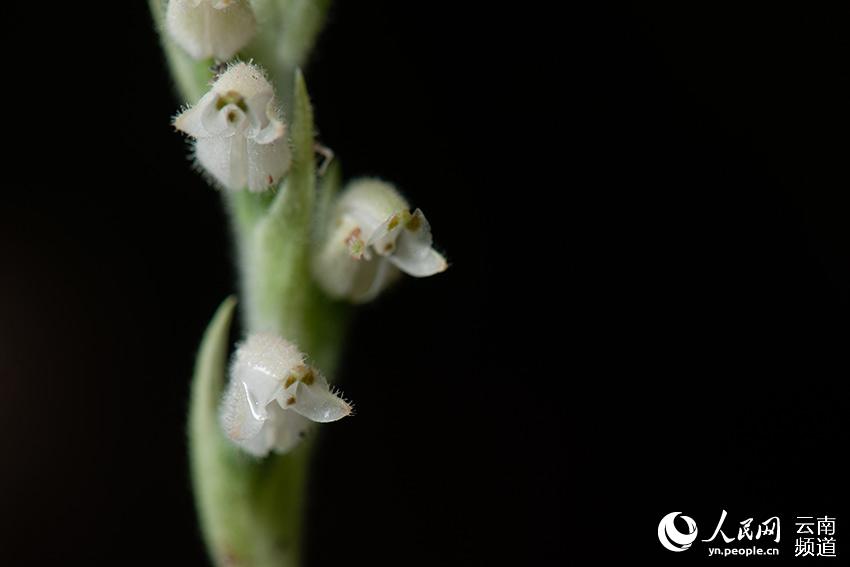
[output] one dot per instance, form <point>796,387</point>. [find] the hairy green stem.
<point>251,510</point>
<point>274,238</point>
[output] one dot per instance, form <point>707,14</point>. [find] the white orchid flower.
<point>371,238</point>
<point>273,395</point>
<point>211,28</point>
<point>239,134</point>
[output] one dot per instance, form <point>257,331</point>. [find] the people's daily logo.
<point>670,536</point>
<point>750,536</point>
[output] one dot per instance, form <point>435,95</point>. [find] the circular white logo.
<point>673,539</point>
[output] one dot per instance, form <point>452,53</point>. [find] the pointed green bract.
<point>278,274</point>
<point>212,460</point>
<point>295,203</point>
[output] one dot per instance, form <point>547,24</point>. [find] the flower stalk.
<point>251,126</point>
<point>250,509</point>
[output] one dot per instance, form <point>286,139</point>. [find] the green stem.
<point>274,244</point>
<point>250,510</point>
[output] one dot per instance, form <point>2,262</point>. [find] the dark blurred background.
<point>645,207</point>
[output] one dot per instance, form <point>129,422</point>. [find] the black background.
<point>645,208</point>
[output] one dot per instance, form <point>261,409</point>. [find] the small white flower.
<point>239,134</point>
<point>211,28</point>
<point>273,395</point>
<point>372,236</point>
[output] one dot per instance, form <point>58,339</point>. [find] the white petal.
<point>260,388</point>
<point>231,28</point>
<point>374,277</point>
<point>413,254</point>
<point>273,131</point>
<point>266,163</point>
<point>371,202</point>
<point>190,120</point>
<point>274,430</point>
<point>250,82</point>
<point>237,419</point>
<point>266,123</point>
<point>226,121</point>
<point>225,159</point>
<point>334,267</point>
<point>345,277</point>
<point>259,445</point>
<point>418,262</point>
<point>210,28</point>
<point>383,239</point>
<point>281,432</point>
<point>269,354</point>
<point>316,402</point>
<point>186,22</point>
<point>289,429</point>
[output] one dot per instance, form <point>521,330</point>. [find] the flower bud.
<point>273,396</point>
<point>239,133</point>
<point>211,28</point>
<point>371,238</point>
